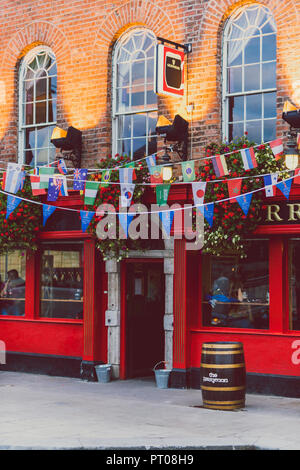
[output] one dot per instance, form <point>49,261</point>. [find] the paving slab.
<point>44,412</point>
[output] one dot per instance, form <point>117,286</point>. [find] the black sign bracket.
<point>186,47</point>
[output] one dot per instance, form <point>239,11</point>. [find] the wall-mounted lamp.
<point>292,116</point>
<point>70,141</point>
<point>167,172</point>
<point>175,132</point>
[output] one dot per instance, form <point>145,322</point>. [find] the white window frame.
<point>22,126</point>
<point>115,113</point>
<point>226,95</point>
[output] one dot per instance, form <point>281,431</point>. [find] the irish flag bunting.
<point>234,188</point>
<point>220,165</point>
<point>248,157</point>
<point>277,148</point>
<point>90,193</point>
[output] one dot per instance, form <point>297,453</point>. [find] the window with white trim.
<point>249,75</point>
<point>37,106</point>
<point>134,100</point>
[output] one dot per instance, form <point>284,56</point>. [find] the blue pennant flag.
<point>208,211</point>
<point>47,211</point>
<point>80,176</point>
<point>244,201</point>
<point>12,203</point>
<point>166,218</point>
<point>285,187</point>
<point>86,217</point>
<point>125,221</point>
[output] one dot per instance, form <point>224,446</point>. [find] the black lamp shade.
<point>177,131</point>
<point>72,141</point>
<point>292,118</point>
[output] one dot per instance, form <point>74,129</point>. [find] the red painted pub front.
<point>95,312</point>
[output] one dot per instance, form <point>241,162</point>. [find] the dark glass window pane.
<point>29,113</point>
<point>139,148</point>
<point>269,105</point>
<point>52,83</point>
<point>138,72</point>
<point>269,130</point>
<point>254,131</point>
<point>252,77</point>
<point>138,96</point>
<point>235,130</point>
<point>236,108</point>
<point>253,107</point>
<point>139,125</point>
<point>12,283</point>
<point>62,281</point>
<point>269,75</point>
<point>236,291</point>
<point>235,80</point>
<point>252,51</point>
<point>269,47</point>
<point>41,89</point>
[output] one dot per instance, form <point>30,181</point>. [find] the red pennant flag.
<point>297,176</point>
<point>234,188</point>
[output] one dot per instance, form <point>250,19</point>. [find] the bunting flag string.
<point>12,204</point>
<point>86,218</point>
<point>220,165</point>
<point>127,190</point>
<point>285,187</point>
<point>188,171</point>
<point>47,211</point>
<point>234,188</point>
<point>270,182</point>
<point>248,157</point>
<point>167,218</point>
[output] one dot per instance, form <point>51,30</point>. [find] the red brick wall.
<point>81,33</point>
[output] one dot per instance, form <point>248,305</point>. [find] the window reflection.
<point>236,291</point>
<point>12,283</point>
<point>62,281</point>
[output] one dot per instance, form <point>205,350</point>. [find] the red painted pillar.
<point>179,372</point>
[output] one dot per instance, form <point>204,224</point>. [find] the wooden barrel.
<point>223,375</point>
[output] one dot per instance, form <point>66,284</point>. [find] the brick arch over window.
<point>206,92</point>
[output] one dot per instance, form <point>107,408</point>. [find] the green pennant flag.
<point>90,193</point>
<point>188,171</point>
<point>162,193</point>
<point>105,178</point>
<point>45,173</point>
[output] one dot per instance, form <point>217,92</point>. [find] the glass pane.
<point>28,113</point>
<point>52,84</point>
<point>139,148</point>
<point>235,53</point>
<point>138,72</point>
<point>124,127</point>
<point>269,105</point>
<point>269,75</point>
<point>150,70</point>
<point>138,97</point>
<point>269,130</point>
<point>254,131</point>
<point>41,89</point>
<point>28,90</point>
<point>139,125</point>
<point>40,112</point>
<point>269,47</point>
<point>30,139</point>
<point>124,147</point>
<point>236,108</point>
<point>123,74</point>
<point>29,158</point>
<point>42,137</point>
<point>12,283</point>
<point>151,97</point>
<point>236,291</point>
<point>52,111</point>
<point>252,77</point>
<point>62,281</point>
<point>252,51</point>
<point>253,107</point>
<point>235,80</point>
<point>152,121</point>
<point>123,96</point>
<point>236,130</point>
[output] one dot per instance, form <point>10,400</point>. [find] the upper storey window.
<point>134,101</point>
<point>37,106</point>
<point>249,86</point>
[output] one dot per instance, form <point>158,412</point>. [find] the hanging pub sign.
<point>169,71</point>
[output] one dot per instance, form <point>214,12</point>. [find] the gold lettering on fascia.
<point>273,213</point>
<point>294,212</point>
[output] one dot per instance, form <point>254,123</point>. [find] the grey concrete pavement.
<point>42,412</point>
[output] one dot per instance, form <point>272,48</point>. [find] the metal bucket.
<point>162,376</point>
<point>103,372</point>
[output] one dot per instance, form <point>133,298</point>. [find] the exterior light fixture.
<point>292,116</point>
<point>70,141</point>
<point>175,132</point>
<point>167,172</point>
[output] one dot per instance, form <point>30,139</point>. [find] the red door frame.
<point>123,307</point>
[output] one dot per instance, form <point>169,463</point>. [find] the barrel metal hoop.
<point>224,352</point>
<point>222,346</point>
<point>222,389</point>
<point>222,366</point>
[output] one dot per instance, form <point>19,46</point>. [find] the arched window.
<point>37,106</point>
<point>249,75</point>
<point>134,101</point>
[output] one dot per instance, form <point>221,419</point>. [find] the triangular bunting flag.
<point>90,193</point>
<point>47,211</point>
<point>198,192</point>
<point>80,175</point>
<point>188,171</point>
<point>45,173</point>
<point>62,168</point>
<point>12,204</point>
<point>125,221</point>
<point>54,189</point>
<point>131,165</point>
<point>220,165</point>
<point>244,202</point>
<point>234,188</point>
<point>166,218</point>
<point>127,191</point>
<point>13,178</point>
<point>86,217</point>
<point>162,193</point>
<point>248,157</point>
<point>285,187</point>
<point>277,148</point>
<point>208,211</point>
<point>270,181</point>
